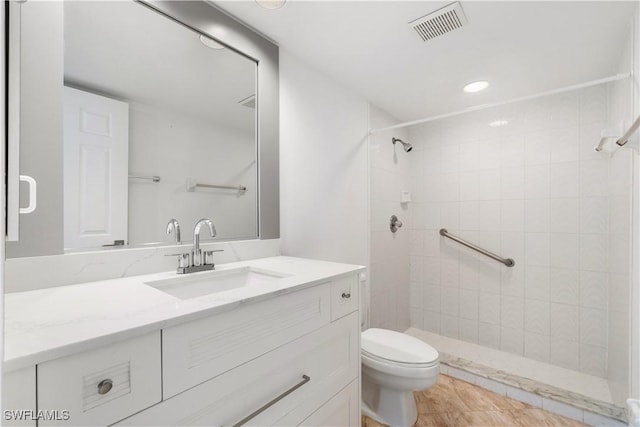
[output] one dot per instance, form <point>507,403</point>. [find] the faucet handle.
<point>183,259</point>
<point>208,256</point>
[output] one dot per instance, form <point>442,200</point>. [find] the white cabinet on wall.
<point>291,359</point>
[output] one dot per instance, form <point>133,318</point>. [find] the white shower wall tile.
<point>536,182</point>
<point>564,286</point>
<point>536,218</point>
<point>594,176</point>
<point>537,147</point>
<point>489,335</point>
<point>564,145</point>
<point>537,317</point>
<point>564,250</point>
<point>564,353</point>
<point>535,191</point>
<point>489,308</point>
<point>537,249</point>
<point>512,183</point>
<point>489,184</point>
<point>512,312</point>
<point>594,252</point>
<point>566,321</point>
<point>594,215</point>
<point>536,281</point>
<point>593,360</point>
<point>562,180</point>
<point>512,152</point>
<point>468,156</point>
<point>594,289</point>
<point>469,330</point>
<point>593,327</point>
<point>564,215</point>
<point>536,346</point>
<point>512,215</point>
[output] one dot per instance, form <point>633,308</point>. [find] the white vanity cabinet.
<point>290,358</point>
<point>275,362</point>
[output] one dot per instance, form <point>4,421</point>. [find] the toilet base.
<point>388,406</point>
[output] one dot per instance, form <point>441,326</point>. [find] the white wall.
<point>620,193</point>
<point>533,190</point>
<point>175,147</point>
<point>389,252</point>
<point>635,282</point>
<point>323,166</point>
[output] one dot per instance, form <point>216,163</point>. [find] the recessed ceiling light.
<point>476,86</point>
<point>211,43</point>
<point>271,4</point>
<point>498,123</point>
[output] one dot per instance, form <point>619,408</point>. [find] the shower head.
<point>407,147</point>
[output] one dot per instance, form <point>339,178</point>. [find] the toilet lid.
<point>397,347</point>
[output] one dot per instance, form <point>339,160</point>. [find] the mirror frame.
<point>205,17</point>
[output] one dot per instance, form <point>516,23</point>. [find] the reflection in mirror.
<point>158,120</point>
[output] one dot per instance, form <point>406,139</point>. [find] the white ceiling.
<point>127,51</point>
<point>522,48</point>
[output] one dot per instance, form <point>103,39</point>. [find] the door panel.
<point>96,147</point>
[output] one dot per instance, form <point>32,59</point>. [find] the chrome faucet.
<point>196,254</point>
<point>173,226</point>
<point>196,260</point>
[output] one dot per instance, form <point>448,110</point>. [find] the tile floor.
<point>451,402</point>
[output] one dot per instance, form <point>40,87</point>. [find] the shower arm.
<point>625,138</point>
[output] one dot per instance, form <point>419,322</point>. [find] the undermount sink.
<point>211,282</point>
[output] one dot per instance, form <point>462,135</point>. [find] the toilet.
<point>394,365</point>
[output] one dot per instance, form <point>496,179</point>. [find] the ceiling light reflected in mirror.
<point>271,4</point>
<point>476,86</point>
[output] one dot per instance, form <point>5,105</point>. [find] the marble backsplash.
<point>25,274</point>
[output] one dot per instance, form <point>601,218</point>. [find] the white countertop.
<point>45,324</point>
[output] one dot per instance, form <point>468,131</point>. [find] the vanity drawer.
<point>79,384</point>
<point>342,410</point>
<point>344,296</point>
<point>197,351</point>
<point>329,358</point>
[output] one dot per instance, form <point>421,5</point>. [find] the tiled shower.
<point>523,181</point>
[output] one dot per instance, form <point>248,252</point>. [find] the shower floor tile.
<point>455,403</point>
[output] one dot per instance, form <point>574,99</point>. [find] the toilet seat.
<point>382,348</point>
<point>382,360</point>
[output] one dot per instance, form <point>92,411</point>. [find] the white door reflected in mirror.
<point>96,151</point>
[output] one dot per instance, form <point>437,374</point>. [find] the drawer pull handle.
<point>105,386</point>
<point>305,379</point>
<point>346,295</point>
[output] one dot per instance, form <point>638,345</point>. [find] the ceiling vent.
<point>442,21</point>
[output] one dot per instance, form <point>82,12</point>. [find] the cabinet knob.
<point>346,295</point>
<point>105,386</point>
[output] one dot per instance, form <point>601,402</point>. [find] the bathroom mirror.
<point>153,114</point>
<point>176,106</point>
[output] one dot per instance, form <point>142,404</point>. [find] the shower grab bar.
<point>625,138</point>
<point>192,185</point>
<point>509,262</point>
<point>154,178</point>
